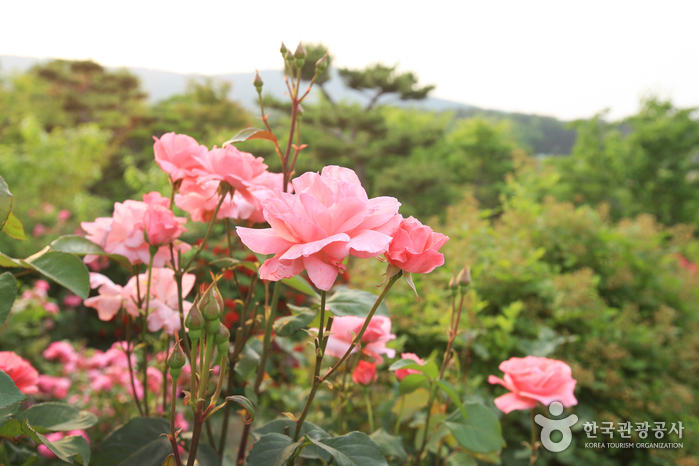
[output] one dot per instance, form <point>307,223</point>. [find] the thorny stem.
<point>208,233</point>
<point>128,360</point>
<point>269,321</point>
<point>173,440</point>
<point>144,330</point>
<point>453,331</point>
<point>165,368</point>
<point>534,444</point>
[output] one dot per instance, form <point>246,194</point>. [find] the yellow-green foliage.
<point>555,280</point>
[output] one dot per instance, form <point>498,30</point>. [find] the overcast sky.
<point>569,59</point>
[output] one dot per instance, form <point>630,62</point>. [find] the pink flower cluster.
<point>37,296</point>
<point>135,226</point>
<point>55,436</point>
<point>200,173</point>
<point>330,217</point>
<point>163,302</point>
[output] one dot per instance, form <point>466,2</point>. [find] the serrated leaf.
<point>351,302</point>
<point>68,451</point>
<point>480,433</point>
<point>247,405</point>
<point>9,393</point>
<point>452,393</point>
<point>13,228</point>
<point>6,199</point>
<point>138,442</point>
<point>82,246</point>
<point>272,450</point>
<point>65,269</point>
<point>53,416</point>
<point>8,293</point>
<point>250,133</point>
<point>390,445</point>
<point>430,369</point>
<point>353,449</point>
<point>289,325</point>
<point>298,283</point>
<point>412,382</point>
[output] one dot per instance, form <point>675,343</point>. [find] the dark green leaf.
<point>411,383</point>
<point>5,202</point>
<point>353,449</point>
<point>249,358</point>
<point>8,293</point>
<point>429,368</point>
<point>169,461</point>
<point>65,269</point>
<point>272,450</point>
<point>452,393</point>
<point>480,433</point>
<point>138,442</point>
<point>53,416</point>
<point>251,133</point>
<point>287,326</point>
<point>13,227</point>
<point>206,456</point>
<point>278,425</point>
<point>11,429</point>
<point>390,445</point>
<point>350,302</point>
<point>82,246</point>
<point>247,404</point>
<point>299,283</point>
<point>9,393</point>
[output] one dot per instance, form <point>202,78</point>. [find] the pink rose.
<point>20,371</point>
<point>161,225</point>
<point>403,373</point>
<point>177,154</point>
<point>414,247</point>
<point>72,300</point>
<point>39,230</point>
<point>51,308</point>
<point>374,340</point>
<point>327,219</point>
<point>364,373</point>
<point>63,215</point>
<point>123,233</point>
<point>533,379</point>
<point>61,350</point>
<point>228,164</point>
<point>55,386</point>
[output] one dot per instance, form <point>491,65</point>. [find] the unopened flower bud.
<point>222,334</point>
<point>300,52</point>
<point>283,50</point>
<point>464,277</point>
<point>211,303</point>
<point>322,64</point>
<point>258,81</point>
<point>194,319</point>
<point>176,360</point>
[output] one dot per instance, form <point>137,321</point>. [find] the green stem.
<point>206,236</point>
<point>144,331</point>
<point>400,415</point>
<point>173,440</point>
<point>534,444</point>
<point>369,409</point>
<point>358,339</point>
<point>128,361</point>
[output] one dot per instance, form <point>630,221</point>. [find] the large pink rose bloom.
<point>374,340</point>
<point>177,154</point>
<point>327,219</point>
<point>123,233</point>
<point>20,371</point>
<point>228,164</point>
<point>533,379</point>
<point>415,247</point>
<point>200,198</point>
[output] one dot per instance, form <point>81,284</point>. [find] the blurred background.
<point>556,143</point>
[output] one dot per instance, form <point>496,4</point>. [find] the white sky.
<point>565,58</point>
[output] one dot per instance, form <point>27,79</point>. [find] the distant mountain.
<point>540,135</point>
<point>162,84</point>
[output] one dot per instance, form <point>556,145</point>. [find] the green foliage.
<point>9,393</point>
<point>351,302</point>
<point>54,417</point>
<point>8,293</point>
<point>140,441</point>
